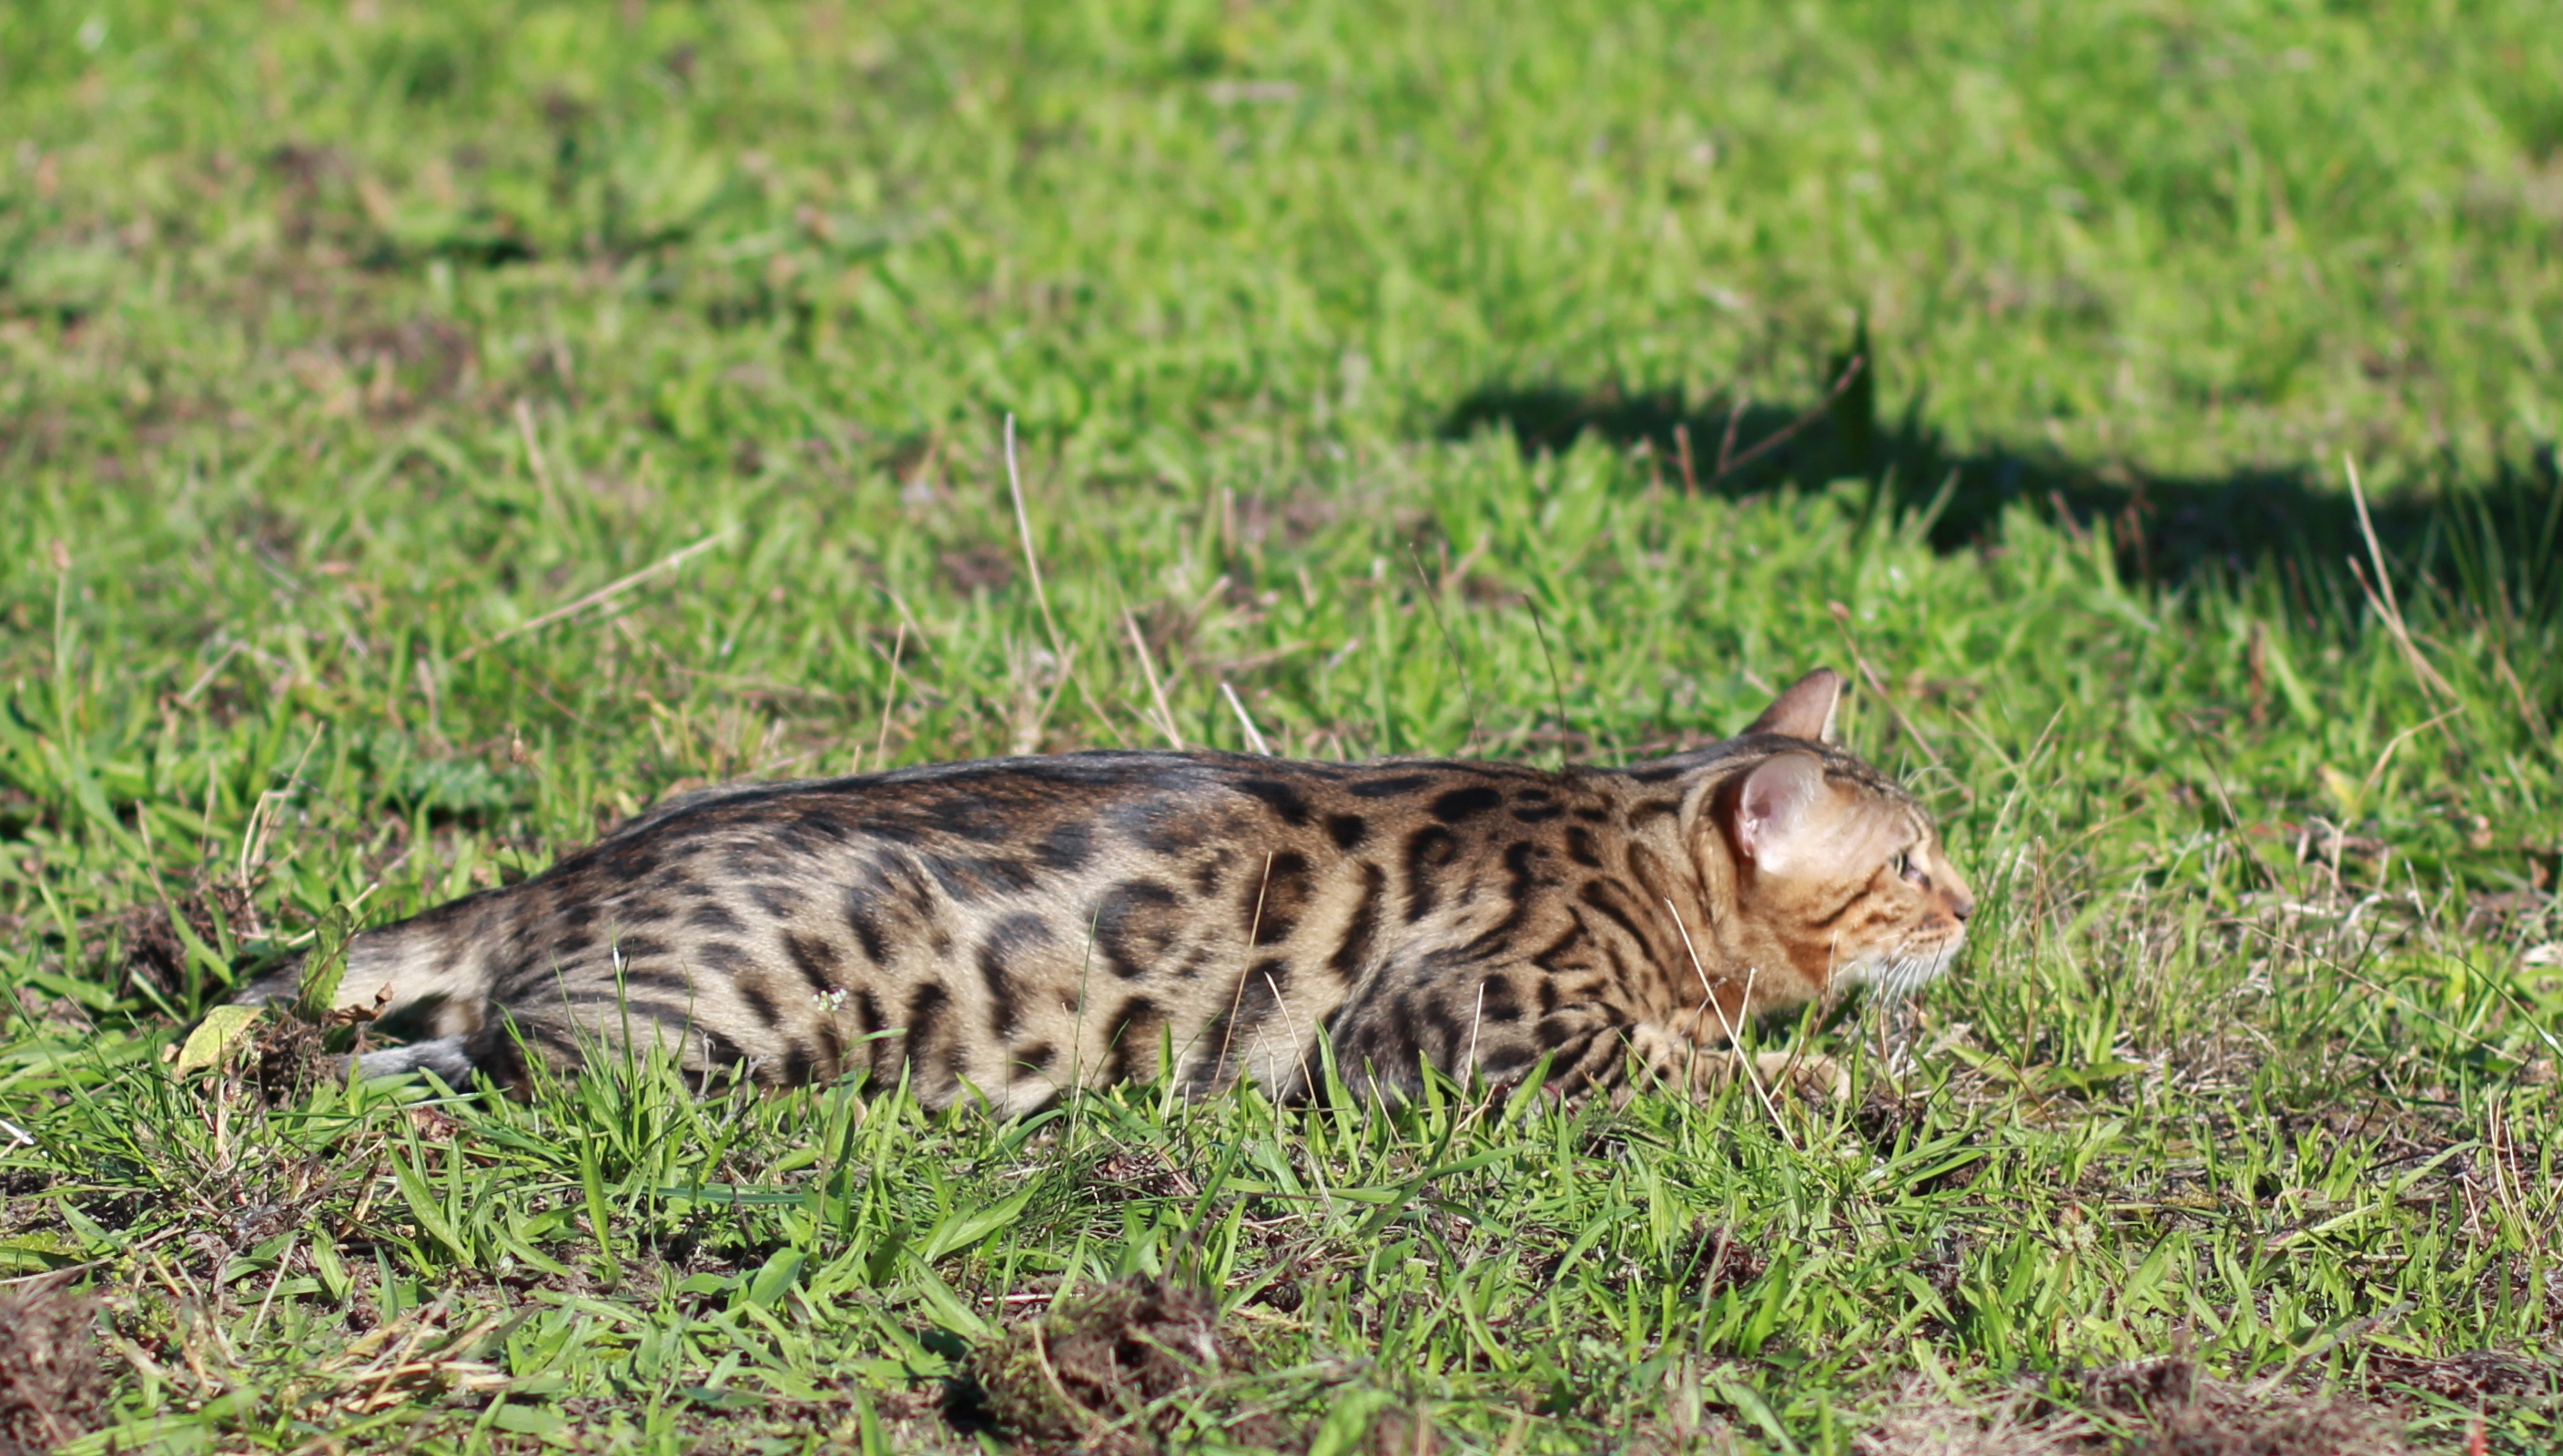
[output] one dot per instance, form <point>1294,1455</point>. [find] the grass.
<point>369,369</point>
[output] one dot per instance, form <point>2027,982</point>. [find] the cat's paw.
<point>1807,1073</point>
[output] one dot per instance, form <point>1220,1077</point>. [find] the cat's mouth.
<point>1911,968</point>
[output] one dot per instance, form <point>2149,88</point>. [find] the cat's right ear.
<point>1775,806</point>
<point>1806,709</point>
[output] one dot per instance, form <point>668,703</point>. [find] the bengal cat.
<point>1011,928</point>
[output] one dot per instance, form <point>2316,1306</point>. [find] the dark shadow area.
<point>2492,542</point>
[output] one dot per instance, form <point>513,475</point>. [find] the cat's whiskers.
<point>1904,975</point>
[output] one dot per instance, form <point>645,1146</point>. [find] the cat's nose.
<point>1962,905</point>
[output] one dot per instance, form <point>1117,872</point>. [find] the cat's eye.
<point>1901,866</point>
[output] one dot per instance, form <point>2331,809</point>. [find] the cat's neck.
<point>1736,952</point>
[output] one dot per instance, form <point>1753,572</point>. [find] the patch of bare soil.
<point>2477,1377</point>
<point>1106,1372</point>
<point>2157,1408</point>
<point>287,1059</point>
<point>154,954</point>
<point>52,1390</point>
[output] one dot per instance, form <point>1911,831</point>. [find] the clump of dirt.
<point>1398,1431</point>
<point>52,1389</point>
<point>287,1059</point>
<point>2477,1378</point>
<point>1101,1373</point>
<point>2149,1388</point>
<point>2156,1407</point>
<point>155,957</point>
<point>1141,1172</point>
<point>2179,1410</point>
<point>1891,1124</point>
<point>2313,1428</point>
<point>1715,1259</point>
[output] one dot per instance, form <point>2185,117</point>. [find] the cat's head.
<point>1833,859</point>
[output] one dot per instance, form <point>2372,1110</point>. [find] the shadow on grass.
<point>2492,542</point>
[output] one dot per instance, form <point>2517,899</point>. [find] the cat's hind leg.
<point>447,1056</point>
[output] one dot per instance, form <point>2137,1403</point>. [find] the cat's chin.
<point>1902,976</point>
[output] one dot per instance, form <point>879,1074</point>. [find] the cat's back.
<point>1011,922</point>
<point>1063,812</point>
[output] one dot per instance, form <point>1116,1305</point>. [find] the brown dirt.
<point>2155,1407</point>
<point>2179,1410</point>
<point>287,1059</point>
<point>1142,1173</point>
<point>1713,1259</point>
<point>1103,1372</point>
<point>52,1390</point>
<point>154,956</point>
<point>2477,1378</point>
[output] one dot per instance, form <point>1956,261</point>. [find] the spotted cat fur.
<point>1011,928</point>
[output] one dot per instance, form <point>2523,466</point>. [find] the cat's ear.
<point>1775,806</point>
<point>1806,710</point>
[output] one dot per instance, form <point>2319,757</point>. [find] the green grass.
<point>344,346</point>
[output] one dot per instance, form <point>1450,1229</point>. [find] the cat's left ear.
<point>1806,710</point>
<point>1776,808</point>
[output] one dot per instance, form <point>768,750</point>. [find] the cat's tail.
<point>421,976</point>
<point>424,973</point>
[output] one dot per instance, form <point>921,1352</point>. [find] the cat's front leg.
<point>1597,1049</point>
<point>1677,1062</point>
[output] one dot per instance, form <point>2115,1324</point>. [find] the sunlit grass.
<point>434,433</point>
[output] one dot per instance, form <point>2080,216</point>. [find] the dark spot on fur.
<point>1131,1040</point>
<point>1650,873</point>
<point>1552,957</point>
<point>1254,1000</point>
<point>664,979</point>
<point>1428,852</point>
<point>1136,925</point>
<point>723,956</point>
<point>630,860</point>
<point>1348,828</point>
<point>967,879</point>
<point>1603,895</point>
<point>877,1049</point>
<point>1352,953</point>
<point>975,818</point>
<point>776,901</point>
<point>752,989</point>
<point>1390,787</point>
<point>864,909</point>
<point>895,829</point>
<point>1461,805</point>
<point>924,1019</point>
<point>1581,847</point>
<point>1285,800</point>
<point>816,959</point>
<point>1206,874</point>
<point>1069,846</point>
<point>1154,824</point>
<point>1274,902</point>
<point>1498,1002</point>
<point>1443,1027</point>
<point>1013,937</point>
